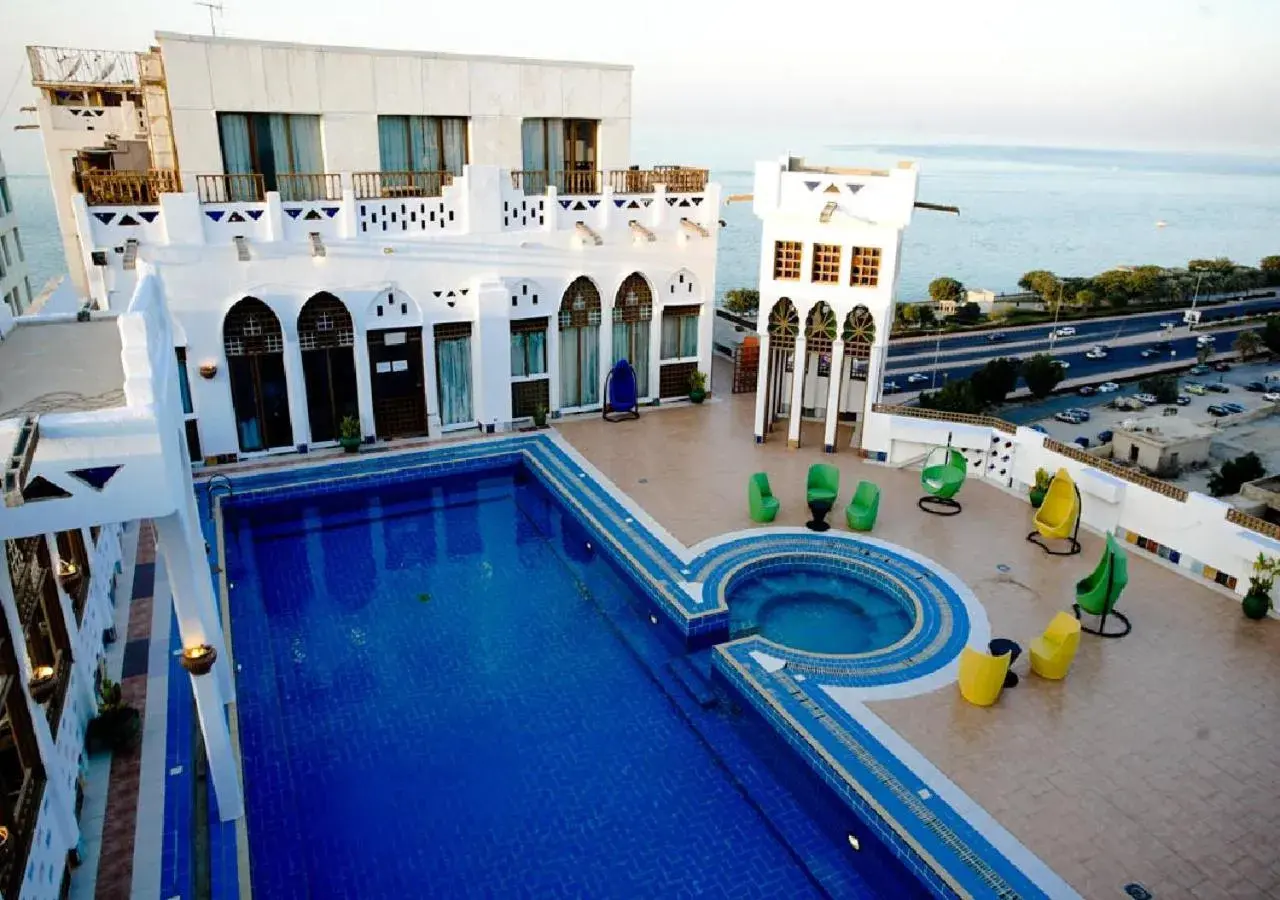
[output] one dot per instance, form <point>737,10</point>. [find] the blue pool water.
<point>444,692</point>
<point>818,610</point>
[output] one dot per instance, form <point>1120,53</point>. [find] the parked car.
<point>1183,400</point>
<point>1065,331</point>
<point>995,336</point>
<point>1087,390</point>
<point>891,386</point>
<point>1256,387</point>
<point>1096,353</point>
<point>1040,428</point>
<point>1271,397</point>
<point>1146,399</point>
<point>1104,437</point>
<point>1082,442</point>
<point>1218,411</point>
<point>1108,387</point>
<point>1221,366</point>
<point>1063,364</point>
<point>1233,408</point>
<point>1069,417</point>
<point>1218,388</point>
<point>1198,389</point>
<point>1199,370</point>
<point>916,378</point>
<point>1084,414</point>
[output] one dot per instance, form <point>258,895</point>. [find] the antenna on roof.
<point>213,29</point>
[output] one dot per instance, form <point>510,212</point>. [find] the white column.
<point>762,387</point>
<point>875,377</point>
<point>836,380</point>
<point>797,392</point>
<point>553,359</point>
<point>217,747</point>
<point>429,379</point>
<point>297,386</point>
<point>606,345</point>
<point>364,384</point>
<point>655,353</point>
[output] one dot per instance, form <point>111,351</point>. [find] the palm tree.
<point>1248,344</point>
<point>1203,352</point>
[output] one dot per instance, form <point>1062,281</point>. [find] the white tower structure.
<point>828,273</point>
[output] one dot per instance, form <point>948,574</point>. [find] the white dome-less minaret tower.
<point>828,271</point>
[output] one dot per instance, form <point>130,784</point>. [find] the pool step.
<point>695,684</point>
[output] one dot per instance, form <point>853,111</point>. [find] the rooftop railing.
<point>58,66</point>
<point>237,188</point>
<point>297,186</point>
<point>128,188</point>
<point>678,180</point>
<point>384,185</point>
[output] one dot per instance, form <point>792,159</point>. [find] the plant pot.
<point>1256,606</point>
<point>697,396</point>
<point>1037,497</point>
<point>350,444</point>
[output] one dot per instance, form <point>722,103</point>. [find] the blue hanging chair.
<point>620,396</point>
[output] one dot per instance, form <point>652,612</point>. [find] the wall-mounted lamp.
<point>43,681</point>
<point>67,568</point>
<point>198,660</point>
<point>208,369</point>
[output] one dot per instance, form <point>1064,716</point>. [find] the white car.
<point>1271,397</point>
<point>1169,324</point>
<point>1063,364</point>
<point>1108,387</point>
<point>1148,399</point>
<point>916,378</point>
<point>1096,353</point>
<point>1205,339</point>
<point>1065,331</point>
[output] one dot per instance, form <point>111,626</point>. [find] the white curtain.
<point>631,342</point>
<point>453,138</point>
<point>569,392</point>
<point>453,362</point>
<point>304,140</point>
<point>589,345</point>
<point>555,146</point>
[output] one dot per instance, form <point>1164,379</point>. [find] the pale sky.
<point>723,83</point>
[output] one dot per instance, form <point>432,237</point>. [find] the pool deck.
<point>1156,761</point>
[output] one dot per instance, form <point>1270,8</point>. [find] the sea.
<point>1072,211</point>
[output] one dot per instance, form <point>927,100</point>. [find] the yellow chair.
<point>1058,518</point>
<point>1053,651</point>
<point>982,675</point>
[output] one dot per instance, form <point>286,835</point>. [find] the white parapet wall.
<point>1203,536</point>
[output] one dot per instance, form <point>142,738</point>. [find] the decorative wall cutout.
<point>683,288</point>
<point>41,488</point>
<point>97,476</point>
<point>394,309</point>
<point>524,213</point>
<point>524,296</point>
<point>104,218</point>
<point>812,185</point>
<point>150,215</point>
<point>633,203</point>
<point>411,215</point>
<point>215,214</point>
<point>127,219</point>
<point>831,189</point>
<point>235,217</point>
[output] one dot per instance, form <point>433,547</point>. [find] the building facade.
<point>420,243</point>
<point>15,283</point>
<point>828,273</point>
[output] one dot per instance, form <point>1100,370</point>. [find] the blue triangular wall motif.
<point>646,201</point>
<point>672,201</point>
<point>696,200</point>
<point>105,218</point>
<point>96,477</point>
<point>148,215</point>
<point>330,211</point>
<point>254,214</point>
<point>565,203</point>
<point>854,188</point>
<point>215,214</point>
<point>812,185</point>
<point>593,203</point>
<point>620,203</point>
<point>294,213</point>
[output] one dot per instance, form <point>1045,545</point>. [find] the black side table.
<point>1000,646</point>
<point>819,509</point>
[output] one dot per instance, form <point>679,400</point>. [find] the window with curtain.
<point>270,144</point>
<point>529,348</point>
<point>558,145</point>
<point>422,143</point>
<point>679,332</point>
<point>184,383</point>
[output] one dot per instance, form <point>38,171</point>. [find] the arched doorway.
<point>632,326</point>
<point>254,345</point>
<point>858,334</point>
<point>580,344</point>
<point>327,337</point>
<point>819,338</point>
<point>784,327</point>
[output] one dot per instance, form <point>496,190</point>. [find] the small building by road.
<point>1163,445</point>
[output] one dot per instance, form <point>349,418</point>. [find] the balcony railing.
<point>13,862</point>
<point>309,186</point>
<point>535,181</point>
<point>55,66</point>
<point>53,710</point>
<point>382,185</point>
<point>128,188</point>
<point>238,188</point>
<point>678,180</point>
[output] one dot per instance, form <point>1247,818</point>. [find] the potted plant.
<point>697,386</point>
<point>117,725</point>
<point>349,434</point>
<point>1257,603</point>
<point>539,416</point>
<point>1041,487</point>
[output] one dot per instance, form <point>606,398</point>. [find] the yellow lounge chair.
<point>982,675</point>
<point>1053,651</point>
<point>1058,518</point>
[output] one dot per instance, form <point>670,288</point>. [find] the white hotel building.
<point>425,242</point>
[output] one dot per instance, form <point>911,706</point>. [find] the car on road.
<point>1149,353</point>
<point>1205,339</point>
<point>1108,387</point>
<point>916,378</point>
<point>1169,323</point>
<point>1183,400</point>
<point>1199,370</point>
<point>1218,388</point>
<point>1271,396</point>
<point>891,386</point>
<point>1233,408</point>
<point>1146,399</point>
<point>1081,412</point>
<point>1065,331</point>
<point>1218,411</point>
<point>1063,364</point>
<point>1040,428</point>
<point>1096,353</point>
<point>995,336</point>
<point>1068,416</point>
<point>1104,437</point>
<point>1221,367</point>
<point>1087,390</point>
<point>1192,387</point>
<point>1256,387</point>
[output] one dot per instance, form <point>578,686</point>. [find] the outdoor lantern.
<point>198,660</point>
<point>208,369</point>
<point>42,683</point>
<point>67,568</point>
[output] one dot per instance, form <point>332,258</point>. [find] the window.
<point>6,205</point>
<point>73,569</point>
<point>17,244</point>
<point>422,144</point>
<point>826,263</point>
<point>27,282</point>
<point>184,381</point>
<point>1133,453</point>
<point>555,146</point>
<point>22,776</point>
<point>528,348</point>
<point>270,144</point>
<point>864,268</point>
<point>35,593</point>
<point>4,250</point>
<point>786,260</point>
<point>680,332</point>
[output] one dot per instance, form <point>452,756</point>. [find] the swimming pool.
<point>818,608</point>
<point>445,689</point>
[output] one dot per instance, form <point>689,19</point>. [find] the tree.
<point>1042,373</point>
<point>1086,299</point>
<point>1270,269</point>
<point>742,300</point>
<point>1248,344</point>
<point>1228,479</point>
<point>1164,387</point>
<point>968,313</point>
<point>946,288</point>
<point>994,381</point>
<point>1271,334</point>
<point>1203,352</point>
<point>956,396</point>
<point>1041,282</point>
<point>925,316</point>
<point>1219,265</point>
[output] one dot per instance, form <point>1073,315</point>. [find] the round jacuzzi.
<point>819,608</point>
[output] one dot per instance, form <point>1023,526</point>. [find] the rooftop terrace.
<point>60,366</point>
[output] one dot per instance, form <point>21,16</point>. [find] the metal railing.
<point>678,180</point>
<point>382,185</point>
<point>294,186</point>
<point>536,181</point>
<point>92,68</point>
<point>1253,523</point>
<point>937,415</point>
<point>128,188</point>
<point>237,188</point>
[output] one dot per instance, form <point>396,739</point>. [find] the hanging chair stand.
<point>939,506</point>
<point>1107,612</point>
<point>1073,539</point>
<point>940,491</point>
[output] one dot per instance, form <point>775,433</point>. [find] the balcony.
<point>392,185</point>
<point>678,180</point>
<point>62,66</point>
<point>237,188</point>
<point>299,186</point>
<point>106,188</point>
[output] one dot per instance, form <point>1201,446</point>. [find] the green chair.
<point>824,483</point>
<point>760,499</point>
<point>862,509</point>
<point>1099,593</point>
<point>942,476</point>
